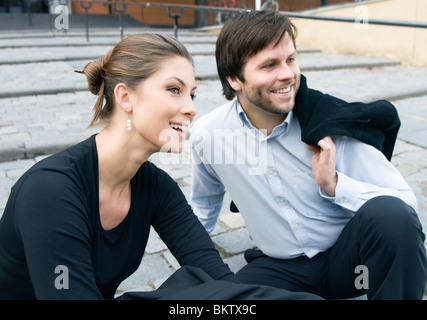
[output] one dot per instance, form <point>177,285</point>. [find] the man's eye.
<point>193,96</point>
<point>270,65</point>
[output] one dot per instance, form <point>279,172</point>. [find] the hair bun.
<point>95,73</point>
<point>95,76</point>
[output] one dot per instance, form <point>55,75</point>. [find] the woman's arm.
<point>54,228</point>
<point>183,233</point>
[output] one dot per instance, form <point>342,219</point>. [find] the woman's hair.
<point>131,61</point>
<point>243,36</point>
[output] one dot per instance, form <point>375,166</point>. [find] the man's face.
<point>271,79</point>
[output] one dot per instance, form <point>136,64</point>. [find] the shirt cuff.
<point>346,193</point>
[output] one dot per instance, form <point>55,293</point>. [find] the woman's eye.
<point>193,96</point>
<point>174,90</point>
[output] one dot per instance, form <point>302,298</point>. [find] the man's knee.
<point>392,244</point>
<point>392,219</point>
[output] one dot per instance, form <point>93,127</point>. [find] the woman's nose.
<point>190,109</point>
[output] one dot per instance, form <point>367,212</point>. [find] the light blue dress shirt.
<point>270,180</point>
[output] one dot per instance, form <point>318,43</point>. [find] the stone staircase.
<point>45,107</point>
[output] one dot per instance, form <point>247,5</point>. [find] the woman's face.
<point>163,108</point>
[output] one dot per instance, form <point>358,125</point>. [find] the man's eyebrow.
<point>273,58</point>
<point>294,53</point>
<point>181,82</point>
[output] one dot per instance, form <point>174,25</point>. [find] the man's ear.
<point>235,83</point>
<point>123,97</point>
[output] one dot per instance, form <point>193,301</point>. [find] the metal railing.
<point>121,6</point>
<point>167,6</point>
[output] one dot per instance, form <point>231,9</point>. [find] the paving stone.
<point>19,164</point>
<point>234,241</point>
<point>365,84</point>
<point>217,230</point>
<point>12,151</point>
<point>171,260</point>
<point>152,268</point>
<point>233,220</point>
<point>154,244</point>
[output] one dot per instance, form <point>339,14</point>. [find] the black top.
<point>52,219</point>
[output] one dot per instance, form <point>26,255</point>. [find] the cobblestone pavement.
<point>45,107</point>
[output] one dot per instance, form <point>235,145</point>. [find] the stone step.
<point>59,76</point>
<point>79,40</point>
<point>42,22</point>
<point>45,106</point>
<point>308,61</point>
<point>36,54</point>
<point>40,124</point>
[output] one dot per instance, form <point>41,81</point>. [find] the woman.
<point>88,210</point>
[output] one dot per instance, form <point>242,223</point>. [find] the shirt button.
<point>264,142</point>
<point>307,249</point>
<point>282,200</point>
<point>296,226</point>
<point>342,200</point>
<point>271,172</point>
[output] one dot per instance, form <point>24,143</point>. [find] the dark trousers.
<point>384,238</point>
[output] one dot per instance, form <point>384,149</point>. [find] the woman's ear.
<point>235,83</point>
<point>123,97</point>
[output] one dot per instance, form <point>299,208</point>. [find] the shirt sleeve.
<point>207,191</point>
<point>364,173</point>
<point>183,233</point>
<point>54,228</point>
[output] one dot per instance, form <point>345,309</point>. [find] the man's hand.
<point>323,165</point>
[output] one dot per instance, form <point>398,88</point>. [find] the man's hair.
<point>243,36</point>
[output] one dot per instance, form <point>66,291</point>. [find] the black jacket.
<point>320,115</point>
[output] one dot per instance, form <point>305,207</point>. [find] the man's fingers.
<point>312,148</point>
<point>326,143</point>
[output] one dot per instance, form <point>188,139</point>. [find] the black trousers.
<point>384,239</point>
<point>190,283</point>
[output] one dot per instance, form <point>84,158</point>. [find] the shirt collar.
<point>278,130</point>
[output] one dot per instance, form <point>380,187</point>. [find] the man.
<point>319,214</point>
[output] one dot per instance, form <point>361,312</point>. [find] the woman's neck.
<point>119,157</point>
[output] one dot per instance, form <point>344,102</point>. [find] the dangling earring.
<point>129,124</point>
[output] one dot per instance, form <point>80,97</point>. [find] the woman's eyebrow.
<point>181,82</point>
<point>178,79</point>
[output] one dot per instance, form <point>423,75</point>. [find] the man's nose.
<point>285,72</point>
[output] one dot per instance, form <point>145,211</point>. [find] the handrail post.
<point>86,7</point>
<point>49,5</point>
<point>30,21</point>
<point>175,17</point>
<point>120,11</point>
